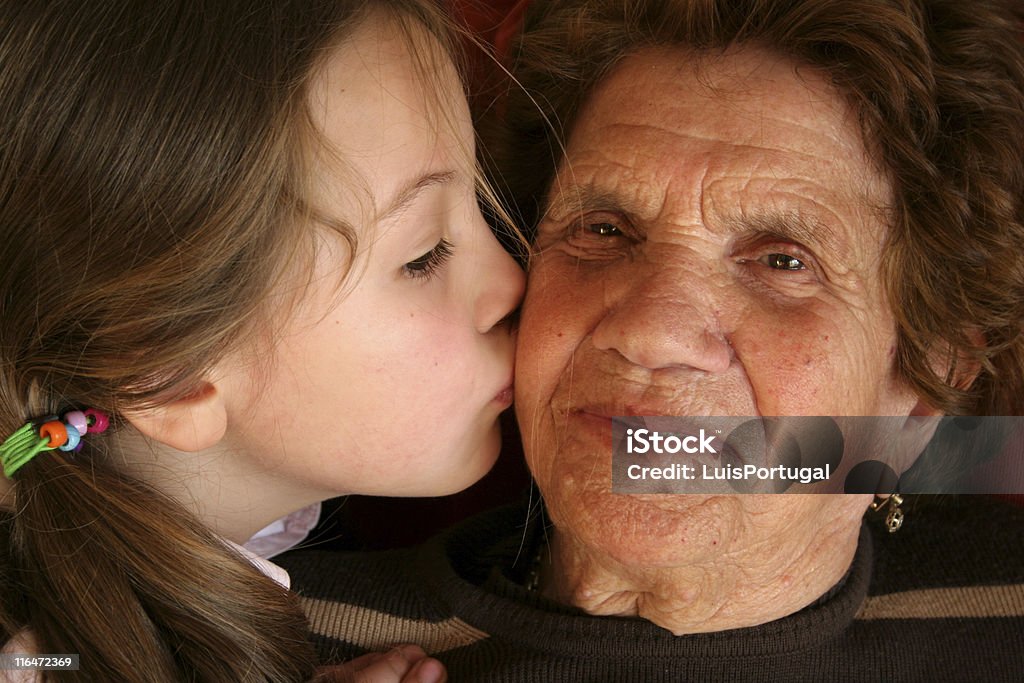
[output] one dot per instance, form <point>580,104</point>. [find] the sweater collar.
<point>479,569</point>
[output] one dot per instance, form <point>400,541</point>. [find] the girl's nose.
<point>502,288</point>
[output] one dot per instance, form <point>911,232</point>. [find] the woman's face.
<point>711,247</point>
<point>390,381</point>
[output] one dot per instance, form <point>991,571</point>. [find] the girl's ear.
<point>192,423</point>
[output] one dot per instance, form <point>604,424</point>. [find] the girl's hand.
<point>402,664</point>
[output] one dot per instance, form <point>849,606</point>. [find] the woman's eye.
<point>427,265</point>
<point>778,261</point>
<point>603,229</point>
<point>598,236</point>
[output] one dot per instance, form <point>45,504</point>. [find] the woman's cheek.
<point>789,366</point>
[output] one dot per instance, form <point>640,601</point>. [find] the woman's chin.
<point>647,532</point>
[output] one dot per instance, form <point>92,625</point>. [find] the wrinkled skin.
<point>711,247</point>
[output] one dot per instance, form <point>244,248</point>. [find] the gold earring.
<point>894,518</point>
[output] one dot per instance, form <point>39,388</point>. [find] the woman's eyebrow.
<point>408,193</point>
<point>579,198</point>
<point>793,227</point>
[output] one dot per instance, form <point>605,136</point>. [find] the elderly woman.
<point>755,207</point>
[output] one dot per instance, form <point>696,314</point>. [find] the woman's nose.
<point>662,317</point>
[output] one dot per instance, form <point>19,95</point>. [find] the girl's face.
<point>390,381</point>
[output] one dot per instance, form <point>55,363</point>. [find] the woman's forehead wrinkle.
<point>601,180</point>
<point>676,158</point>
<point>726,158</point>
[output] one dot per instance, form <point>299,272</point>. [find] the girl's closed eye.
<point>427,265</point>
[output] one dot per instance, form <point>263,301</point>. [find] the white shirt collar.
<point>277,537</point>
<point>285,533</point>
<point>268,568</point>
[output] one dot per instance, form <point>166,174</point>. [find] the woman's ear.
<point>968,368</point>
<point>923,420</point>
<point>191,423</point>
<point>918,430</point>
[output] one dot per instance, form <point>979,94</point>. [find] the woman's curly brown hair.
<point>938,86</point>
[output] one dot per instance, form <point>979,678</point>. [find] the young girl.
<point>243,269</point>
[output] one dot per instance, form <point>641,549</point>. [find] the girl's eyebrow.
<point>407,195</point>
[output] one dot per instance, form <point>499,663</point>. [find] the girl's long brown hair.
<point>152,174</point>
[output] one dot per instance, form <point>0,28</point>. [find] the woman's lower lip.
<point>600,426</point>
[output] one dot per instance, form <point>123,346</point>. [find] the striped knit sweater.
<point>942,600</point>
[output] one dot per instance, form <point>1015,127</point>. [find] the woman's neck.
<point>752,583</point>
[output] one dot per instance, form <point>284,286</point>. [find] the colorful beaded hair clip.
<point>49,434</point>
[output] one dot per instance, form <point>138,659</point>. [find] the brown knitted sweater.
<point>942,600</point>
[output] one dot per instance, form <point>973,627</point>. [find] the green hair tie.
<point>22,446</point>
<point>50,433</point>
